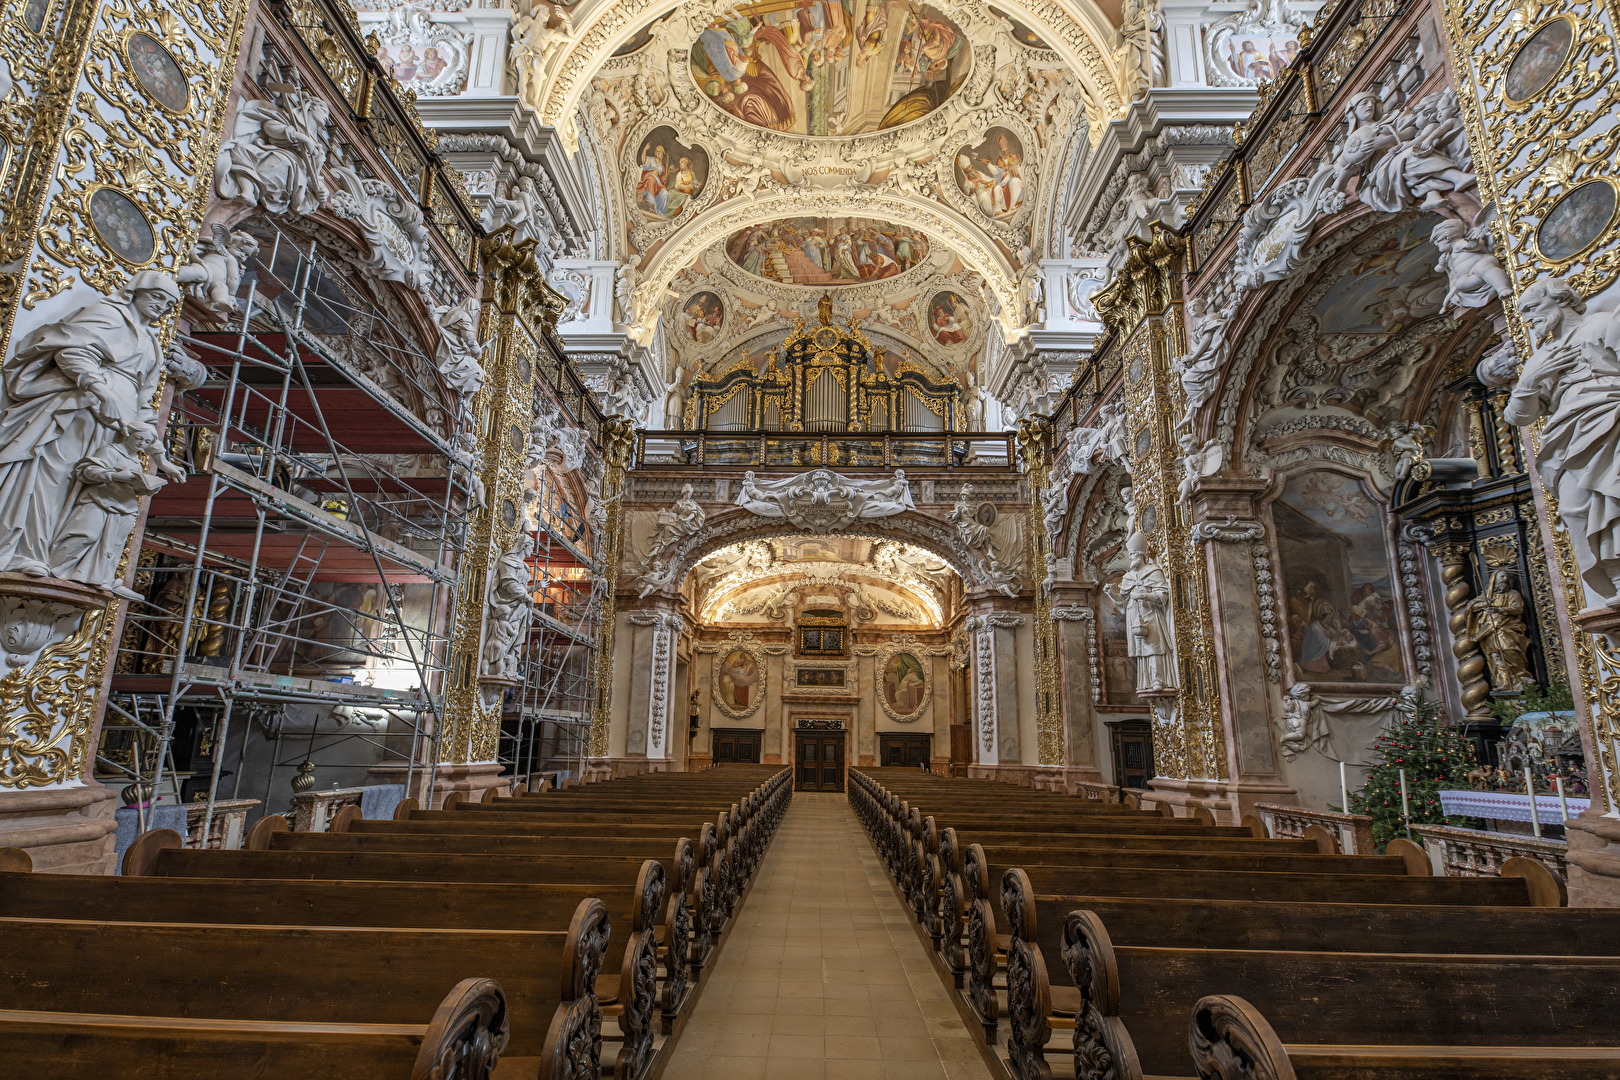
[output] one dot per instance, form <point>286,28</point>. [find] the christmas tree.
<point>1433,755</point>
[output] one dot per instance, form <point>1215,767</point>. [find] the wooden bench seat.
<point>1041,994</point>
<point>465,1035</point>
<point>1231,1039</point>
<point>308,975</point>
<point>1136,1003</point>
<point>710,875</point>
<point>156,854</point>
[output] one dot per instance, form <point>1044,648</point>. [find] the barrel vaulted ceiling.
<point>905,157</point>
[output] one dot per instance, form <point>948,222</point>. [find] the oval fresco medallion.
<point>739,680</point>
<point>703,316</point>
<point>1539,60</point>
<point>158,72</point>
<point>670,175</point>
<point>992,173</point>
<point>1577,221</point>
<point>819,251</point>
<point>122,226</point>
<point>949,319</point>
<point>815,67</point>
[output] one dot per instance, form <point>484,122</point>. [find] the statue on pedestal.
<point>77,406</point>
<point>1496,621</point>
<point>507,614</point>
<point>1572,381</point>
<point>1144,595</point>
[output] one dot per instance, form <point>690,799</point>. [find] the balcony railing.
<point>841,450</point>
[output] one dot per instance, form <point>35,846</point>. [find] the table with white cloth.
<point>1507,806</point>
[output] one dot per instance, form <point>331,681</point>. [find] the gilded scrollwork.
<point>1539,122</point>
<point>55,654</point>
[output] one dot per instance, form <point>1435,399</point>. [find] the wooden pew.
<point>464,1036</point>
<point>1135,1003</point>
<point>698,884</point>
<point>300,975</point>
<point>1231,1040</point>
<point>1041,995</point>
<point>631,990</point>
<point>466,906</point>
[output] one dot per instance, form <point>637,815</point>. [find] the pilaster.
<point>1509,136</point>
<point>101,203</point>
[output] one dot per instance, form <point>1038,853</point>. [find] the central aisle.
<point>822,977</point>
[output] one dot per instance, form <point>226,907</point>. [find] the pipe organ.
<point>825,378</point>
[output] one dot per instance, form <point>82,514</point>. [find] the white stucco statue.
<point>1473,275</point>
<point>1139,206</point>
<point>1366,136</point>
<point>1200,368</point>
<point>506,616</point>
<point>73,390</point>
<point>823,501</point>
<point>1427,159</point>
<point>216,268</point>
<point>1140,51</point>
<point>1405,440</point>
<point>679,393</point>
<point>112,481</point>
<point>553,434</point>
<point>275,154</point>
<point>978,537</point>
<point>505,207</point>
<point>459,348</point>
<point>1303,723</point>
<point>1104,444</point>
<point>679,520</point>
<point>1144,595</point>
<point>1572,381</point>
<point>1197,462</point>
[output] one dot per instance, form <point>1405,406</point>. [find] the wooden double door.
<point>905,751</point>
<point>818,760</point>
<point>735,745</point>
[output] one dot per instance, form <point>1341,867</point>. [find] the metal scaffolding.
<point>302,584</point>
<point>546,724</point>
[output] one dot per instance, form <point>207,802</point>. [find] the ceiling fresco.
<point>819,252</point>
<point>825,67</point>
<point>878,582</point>
<point>1359,333</point>
<point>905,157</point>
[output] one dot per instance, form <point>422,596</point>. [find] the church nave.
<point>823,977</point>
